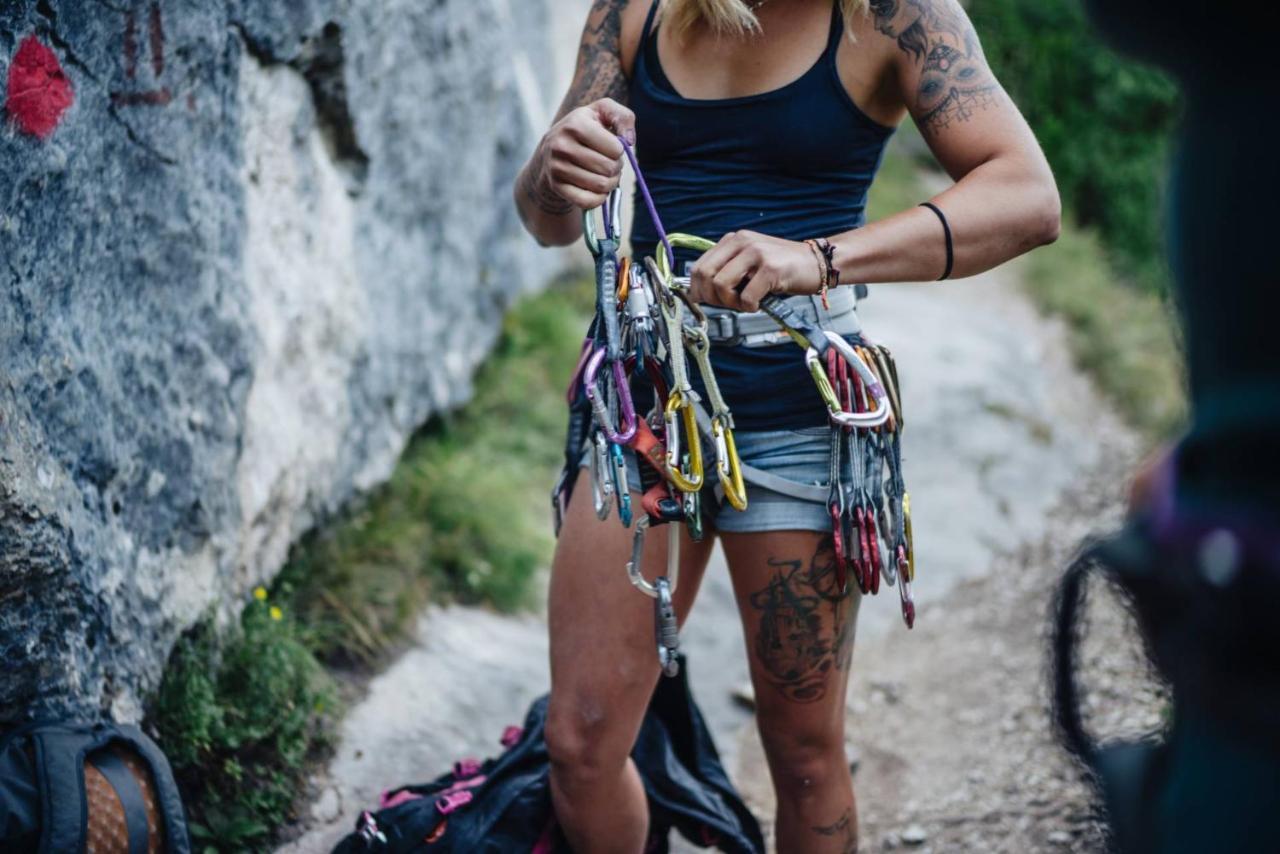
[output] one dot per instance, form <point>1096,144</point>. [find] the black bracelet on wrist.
<point>946,232</point>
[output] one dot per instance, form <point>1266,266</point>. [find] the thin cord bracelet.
<point>946,231</point>
<point>823,272</point>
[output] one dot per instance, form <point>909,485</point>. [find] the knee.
<point>581,745</point>
<point>804,764</point>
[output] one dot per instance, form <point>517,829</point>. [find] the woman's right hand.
<point>580,158</point>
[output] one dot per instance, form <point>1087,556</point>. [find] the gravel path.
<point>1011,458</point>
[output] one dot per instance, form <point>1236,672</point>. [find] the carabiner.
<point>624,279</point>
<point>621,490</point>
<point>729,464</point>
<point>904,589</point>
<point>909,540</point>
<point>611,213</point>
<point>836,512</point>
<point>836,412</point>
<point>681,408</point>
<point>681,241</point>
<point>599,406</point>
<point>575,380</point>
<point>637,556</point>
<point>601,482</point>
<point>872,555</point>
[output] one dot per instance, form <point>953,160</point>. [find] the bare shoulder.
<point>943,74</point>
<point>607,51</point>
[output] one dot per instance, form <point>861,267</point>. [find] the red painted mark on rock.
<point>130,45</point>
<point>157,41</point>
<point>161,95</point>
<point>39,92</point>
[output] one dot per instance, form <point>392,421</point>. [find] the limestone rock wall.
<point>246,248</point>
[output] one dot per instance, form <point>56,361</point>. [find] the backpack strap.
<point>60,753</point>
<point>167,795</point>
<point>130,794</point>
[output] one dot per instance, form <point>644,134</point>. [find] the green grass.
<point>465,517</point>
<point>1123,336</point>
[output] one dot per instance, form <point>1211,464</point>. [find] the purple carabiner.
<point>599,409</point>
<point>571,393</point>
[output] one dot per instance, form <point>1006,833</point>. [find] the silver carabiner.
<point>637,555</point>
<point>601,477</point>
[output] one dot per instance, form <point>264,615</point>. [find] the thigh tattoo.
<point>806,629</point>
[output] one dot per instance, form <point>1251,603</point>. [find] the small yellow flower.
<point>276,613</point>
<point>260,593</point>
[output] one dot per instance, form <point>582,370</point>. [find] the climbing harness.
<point>646,327</point>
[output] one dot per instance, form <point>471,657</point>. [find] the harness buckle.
<point>727,328</point>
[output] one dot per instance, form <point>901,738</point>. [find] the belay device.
<point>645,326</point>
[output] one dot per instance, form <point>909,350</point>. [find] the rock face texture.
<point>246,248</point>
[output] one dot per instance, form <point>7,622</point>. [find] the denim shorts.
<point>802,456</point>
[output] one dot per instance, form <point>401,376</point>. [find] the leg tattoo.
<point>844,829</point>
<point>805,631</point>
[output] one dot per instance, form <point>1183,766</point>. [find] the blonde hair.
<point>730,16</point>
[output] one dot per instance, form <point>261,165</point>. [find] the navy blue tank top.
<point>795,162</point>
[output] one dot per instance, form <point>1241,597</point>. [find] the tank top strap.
<point>837,29</point>
<point>648,23</point>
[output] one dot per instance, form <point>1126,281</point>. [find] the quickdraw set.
<point>645,326</point>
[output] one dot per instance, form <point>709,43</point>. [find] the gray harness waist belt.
<point>729,328</point>
<point>814,493</point>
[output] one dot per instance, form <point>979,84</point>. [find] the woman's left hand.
<point>745,267</point>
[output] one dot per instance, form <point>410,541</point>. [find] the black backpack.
<point>504,804</point>
<point>50,772</point>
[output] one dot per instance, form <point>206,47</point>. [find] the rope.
<point>648,202</point>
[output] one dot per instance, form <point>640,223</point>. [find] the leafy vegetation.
<point>238,718</point>
<point>1104,122</point>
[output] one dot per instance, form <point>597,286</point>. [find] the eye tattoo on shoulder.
<point>955,82</point>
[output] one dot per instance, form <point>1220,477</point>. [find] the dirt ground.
<point>949,725</point>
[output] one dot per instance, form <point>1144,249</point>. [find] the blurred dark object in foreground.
<point>1201,558</point>
<point>1204,592</point>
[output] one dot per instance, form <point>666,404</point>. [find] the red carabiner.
<point>904,589</point>
<point>837,545</point>
<point>873,552</point>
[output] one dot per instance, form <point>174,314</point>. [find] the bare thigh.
<point>604,661</point>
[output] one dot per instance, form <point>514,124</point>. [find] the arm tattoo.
<point>543,197</point>
<point>955,82</point>
<point>845,829</point>
<point>599,73</point>
<point>806,625</point>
